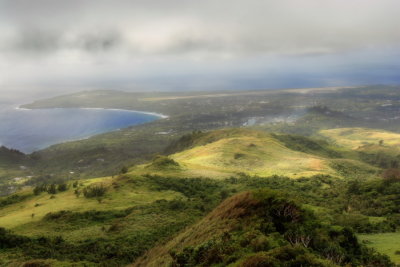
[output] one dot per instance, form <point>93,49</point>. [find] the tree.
<point>52,189</point>
<point>94,191</point>
<point>37,190</point>
<point>62,187</point>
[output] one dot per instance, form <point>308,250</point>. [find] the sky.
<point>58,46</point>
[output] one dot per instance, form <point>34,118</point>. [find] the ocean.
<point>30,130</point>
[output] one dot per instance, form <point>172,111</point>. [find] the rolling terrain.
<point>259,228</point>
<point>155,204</point>
<point>232,152</point>
<point>167,186</point>
<point>295,111</point>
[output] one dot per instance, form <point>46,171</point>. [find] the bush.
<point>12,199</point>
<point>123,170</point>
<point>52,189</point>
<point>62,187</point>
<point>164,162</point>
<point>94,191</point>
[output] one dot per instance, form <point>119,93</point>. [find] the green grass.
<point>386,243</point>
<point>122,193</point>
<point>250,152</point>
<point>355,138</point>
<point>134,214</point>
<point>231,152</point>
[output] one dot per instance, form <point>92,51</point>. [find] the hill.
<point>234,152</point>
<point>302,111</point>
<point>374,146</point>
<point>261,228</point>
<point>120,217</point>
<point>251,152</point>
<point>111,221</point>
<point>11,156</point>
<point>359,138</point>
<point>14,169</point>
<point>124,215</point>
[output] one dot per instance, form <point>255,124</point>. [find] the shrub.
<point>12,199</point>
<point>164,162</point>
<point>62,187</point>
<point>52,189</point>
<point>124,170</point>
<point>94,191</point>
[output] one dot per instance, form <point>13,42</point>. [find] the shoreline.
<point>160,115</point>
<point>156,116</point>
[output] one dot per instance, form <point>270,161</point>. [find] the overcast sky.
<point>69,45</point>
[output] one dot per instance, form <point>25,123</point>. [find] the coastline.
<point>156,116</point>
<point>160,115</point>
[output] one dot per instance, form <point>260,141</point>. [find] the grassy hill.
<point>385,243</point>
<point>261,228</point>
<point>165,201</point>
<point>301,112</point>
<point>373,146</point>
<point>251,152</point>
<point>14,167</point>
<point>70,228</point>
<point>138,212</point>
<point>233,152</point>
<point>358,138</point>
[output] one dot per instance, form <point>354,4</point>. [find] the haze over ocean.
<point>31,130</point>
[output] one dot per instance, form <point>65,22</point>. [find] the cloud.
<point>121,40</point>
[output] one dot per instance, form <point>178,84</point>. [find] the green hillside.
<point>296,111</point>
<point>136,213</point>
<point>251,152</point>
<point>232,152</point>
<point>357,138</point>
<point>14,169</point>
<point>261,228</point>
<point>113,220</point>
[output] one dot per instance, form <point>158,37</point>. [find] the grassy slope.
<point>121,195</point>
<point>214,152</point>
<point>189,111</point>
<point>230,152</point>
<point>237,220</point>
<point>356,138</point>
<point>386,243</point>
<point>211,155</point>
<point>221,220</point>
<point>10,168</point>
<point>250,152</point>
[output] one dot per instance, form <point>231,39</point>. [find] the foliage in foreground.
<point>274,230</point>
<point>346,203</point>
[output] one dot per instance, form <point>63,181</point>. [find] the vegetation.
<point>223,197</point>
<point>264,227</point>
<point>68,234</point>
<point>94,191</point>
<point>294,111</point>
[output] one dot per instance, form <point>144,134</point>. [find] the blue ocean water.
<point>31,130</point>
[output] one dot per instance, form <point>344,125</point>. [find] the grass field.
<point>250,152</point>
<point>355,138</point>
<point>230,152</point>
<point>26,217</point>
<point>386,243</point>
